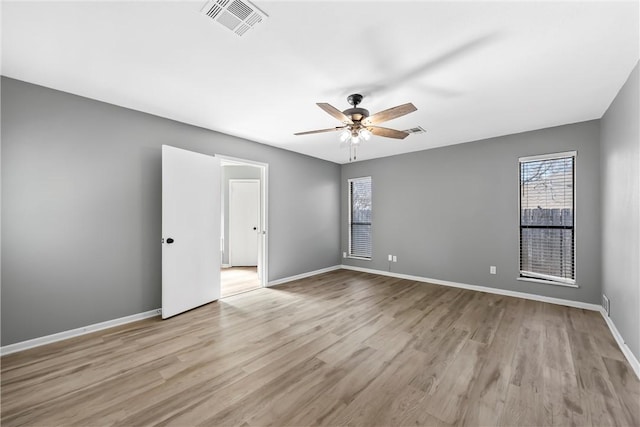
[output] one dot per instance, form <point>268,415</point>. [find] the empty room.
<point>301,213</point>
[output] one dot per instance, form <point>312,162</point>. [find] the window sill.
<point>358,257</point>
<point>546,282</point>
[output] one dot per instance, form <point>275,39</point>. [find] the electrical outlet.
<point>390,257</point>
<point>344,254</point>
<point>492,269</point>
<point>395,258</point>
<point>606,304</point>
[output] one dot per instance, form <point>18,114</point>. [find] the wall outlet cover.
<point>492,269</point>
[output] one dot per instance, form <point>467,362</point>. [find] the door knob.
<point>170,240</point>
<point>255,228</point>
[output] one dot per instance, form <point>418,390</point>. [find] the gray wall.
<point>232,172</point>
<point>620,164</point>
<point>81,200</point>
<point>449,213</point>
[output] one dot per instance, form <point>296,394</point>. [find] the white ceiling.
<point>473,69</point>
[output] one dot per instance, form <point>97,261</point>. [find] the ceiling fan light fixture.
<point>345,135</point>
<point>355,139</point>
<point>365,134</point>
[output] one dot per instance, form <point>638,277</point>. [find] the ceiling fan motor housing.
<point>356,114</point>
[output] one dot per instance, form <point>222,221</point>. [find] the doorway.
<point>243,225</point>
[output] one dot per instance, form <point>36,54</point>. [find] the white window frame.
<point>542,278</point>
<point>349,182</point>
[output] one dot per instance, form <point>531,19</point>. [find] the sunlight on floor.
<point>236,280</point>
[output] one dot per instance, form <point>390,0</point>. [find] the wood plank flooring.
<point>342,348</point>
<point>236,280</point>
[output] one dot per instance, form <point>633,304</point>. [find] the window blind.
<point>547,210</point>
<point>360,217</point>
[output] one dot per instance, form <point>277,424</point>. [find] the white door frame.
<point>263,245</point>
<point>253,181</point>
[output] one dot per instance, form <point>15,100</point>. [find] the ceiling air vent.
<point>417,129</point>
<point>239,16</point>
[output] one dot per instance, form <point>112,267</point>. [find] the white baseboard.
<point>303,275</point>
<point>226,265</point>
<point>631,358</point>
<point>534,297</point>
<point>48,339</point>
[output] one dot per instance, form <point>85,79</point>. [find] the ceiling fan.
<point>358,125</point>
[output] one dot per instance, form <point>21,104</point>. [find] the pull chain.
<point>353,151</point>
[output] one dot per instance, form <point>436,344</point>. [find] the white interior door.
<point>244,221</point>
<point>190,230</point>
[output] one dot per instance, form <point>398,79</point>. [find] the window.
<point>360,217</point>
<point>547,218</point>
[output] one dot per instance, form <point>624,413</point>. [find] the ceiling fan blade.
<point>320,131</point>
<point>389,133</point>
<point>389,114</point>
<point>335,112</point>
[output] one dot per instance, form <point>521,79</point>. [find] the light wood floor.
<point>336,349</point>
<point>236,280</point>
